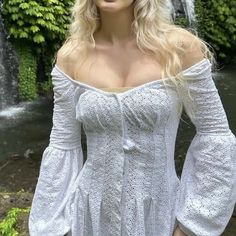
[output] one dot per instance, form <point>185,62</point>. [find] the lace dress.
<point>128,184</point>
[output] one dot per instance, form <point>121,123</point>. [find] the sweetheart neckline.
<point>122,89</point>
<point>99,90</point>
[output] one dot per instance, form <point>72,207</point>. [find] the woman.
<point>125,72</point>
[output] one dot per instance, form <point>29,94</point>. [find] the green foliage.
<point>27,72</point>
<point>9,222</point>
<point>182,21</point>
<point>217,25</point>
<point>48,64</point>
<point>39,22</point>
<point>46,86</point>
<point>39,25</point>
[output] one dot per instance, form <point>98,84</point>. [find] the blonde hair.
<point>151,25</point>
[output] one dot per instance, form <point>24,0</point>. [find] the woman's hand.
<point>179,232</point>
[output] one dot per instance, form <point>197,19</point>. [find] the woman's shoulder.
<point>67,56</point>
<point>190,46</point>
<point>183,37</point>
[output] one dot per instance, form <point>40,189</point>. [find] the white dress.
<point>128,184</point>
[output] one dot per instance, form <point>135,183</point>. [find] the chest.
<point>117,68</point>
<point>142,107</point>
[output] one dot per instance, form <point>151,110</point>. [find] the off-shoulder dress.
<point>128,184</point>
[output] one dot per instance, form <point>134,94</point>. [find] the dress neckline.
<point>118,88</point>
<point>144,85</point>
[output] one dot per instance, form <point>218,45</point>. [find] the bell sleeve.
<point>62,161</point>
<point>207,190</point>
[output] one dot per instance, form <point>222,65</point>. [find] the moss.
<point>27,74</point>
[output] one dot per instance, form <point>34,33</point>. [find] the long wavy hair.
<point>151,25</point>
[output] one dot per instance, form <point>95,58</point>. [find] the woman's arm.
<point>207,192</point>
<point>61,164</point>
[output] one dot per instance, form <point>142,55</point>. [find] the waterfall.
<point>188,6</point>
<point>8,68</point>
<point>181,8</point>
<point>170,7</point>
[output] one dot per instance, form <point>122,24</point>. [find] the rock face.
<point>8,68</point>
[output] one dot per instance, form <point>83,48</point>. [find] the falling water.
<point>8,69</point>
<point>188,6</point>
<point>181,8</point>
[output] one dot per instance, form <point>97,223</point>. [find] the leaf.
<point>34,28</point>
<point>20,22</point>
<point>38,38</point>
<point>49,16</point>
<point>24,5</point>
<point>23,35</point>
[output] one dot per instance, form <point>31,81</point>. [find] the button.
<point>128,144</point>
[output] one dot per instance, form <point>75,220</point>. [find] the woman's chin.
<point>109,5</point>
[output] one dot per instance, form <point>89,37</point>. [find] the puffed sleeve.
<point>207,192</point>
<point>62,161</point>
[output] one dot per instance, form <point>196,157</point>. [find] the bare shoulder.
<point>191,44</point>
<point>66,57</point>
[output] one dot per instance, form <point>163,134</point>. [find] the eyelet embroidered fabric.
<point>128,185</point>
